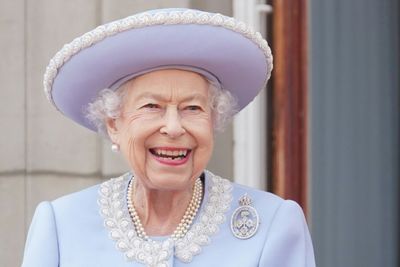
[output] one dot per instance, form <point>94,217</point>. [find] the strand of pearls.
<point>187,218</point>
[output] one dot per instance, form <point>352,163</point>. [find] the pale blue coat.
<point>70,232</point>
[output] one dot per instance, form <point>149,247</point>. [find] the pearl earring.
<point>114,147</point>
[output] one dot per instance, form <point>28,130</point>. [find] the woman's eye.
<point>193,108</point>
<point>151,106</point>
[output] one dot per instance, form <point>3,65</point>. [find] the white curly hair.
<point>108,104</point>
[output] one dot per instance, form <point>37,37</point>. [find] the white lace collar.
<point>112,202</point>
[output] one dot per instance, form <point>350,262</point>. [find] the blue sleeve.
<point>41,248</point>
<point>288,242</point>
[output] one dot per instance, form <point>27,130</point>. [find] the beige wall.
<point>44,155</point>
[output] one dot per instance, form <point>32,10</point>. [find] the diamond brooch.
<point>245,219</point>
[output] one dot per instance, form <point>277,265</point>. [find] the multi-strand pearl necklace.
<point>187,218</point>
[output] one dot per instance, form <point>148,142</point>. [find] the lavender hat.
<point>218,47</point>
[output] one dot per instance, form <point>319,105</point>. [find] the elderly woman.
<point>158,85</point>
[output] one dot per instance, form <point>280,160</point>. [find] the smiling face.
<point>165,130</point>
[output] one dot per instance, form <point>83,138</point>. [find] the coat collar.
<point>157,252</point>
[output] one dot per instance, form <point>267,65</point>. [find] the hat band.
<point>208,75</point>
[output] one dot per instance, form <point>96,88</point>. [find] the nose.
<point>172,125</point>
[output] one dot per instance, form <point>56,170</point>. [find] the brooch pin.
<point>245,219</point>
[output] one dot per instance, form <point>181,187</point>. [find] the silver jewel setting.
<point>245,219</point>
<point>112,203</point>
<point>148,19</point>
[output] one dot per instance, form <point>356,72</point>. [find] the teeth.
<point>171,153</point>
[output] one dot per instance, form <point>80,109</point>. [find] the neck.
<point>160,212</point>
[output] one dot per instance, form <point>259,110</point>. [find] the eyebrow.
<point>162,98</point>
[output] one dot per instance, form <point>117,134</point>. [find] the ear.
<point>112,130</point>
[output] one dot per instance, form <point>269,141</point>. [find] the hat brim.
<point>236,61</point>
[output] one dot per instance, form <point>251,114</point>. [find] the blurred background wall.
<point>353,137</point>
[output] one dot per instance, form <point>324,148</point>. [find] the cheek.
<point>138,125</point>
<point>133,140</point>
<point>202,127</point>
<point>203,152</point>
<point>132,150</point>
<point>203,133</point>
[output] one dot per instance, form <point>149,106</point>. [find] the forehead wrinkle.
<point>166,89</point>
<point>196,96</point>
<point>173,94</point>
<point>150,95</point>
<point>185,94</point>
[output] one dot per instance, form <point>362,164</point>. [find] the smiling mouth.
<point>170,154</point>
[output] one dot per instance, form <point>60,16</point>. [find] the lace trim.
<point>148,19</point>
<point>157,253</point>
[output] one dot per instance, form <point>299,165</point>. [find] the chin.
<point>161,176</point>
<point>170,181</point>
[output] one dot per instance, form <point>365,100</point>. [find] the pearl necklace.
<point>186,220</point>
